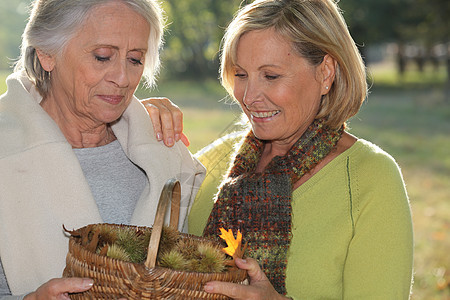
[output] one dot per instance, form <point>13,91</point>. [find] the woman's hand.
<point>259,288</point>
<point>59,288</point>
<point>167,120</point>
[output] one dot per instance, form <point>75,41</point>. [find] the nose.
<point>252,93</point>
<point>119,74</point>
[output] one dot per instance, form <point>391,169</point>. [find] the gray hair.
<point>53,23</point>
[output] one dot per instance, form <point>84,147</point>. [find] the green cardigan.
<point>351,225</point>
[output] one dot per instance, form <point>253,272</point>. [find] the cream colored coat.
<point>43,187</point>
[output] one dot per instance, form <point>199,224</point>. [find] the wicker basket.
<point>115,279</point>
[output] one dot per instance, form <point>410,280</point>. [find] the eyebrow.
<point>144,50</point>
<point>261,67</point>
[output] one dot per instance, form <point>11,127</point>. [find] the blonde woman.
<point>325,214</point>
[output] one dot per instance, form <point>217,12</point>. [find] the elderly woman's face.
<point>102,64</point>
<point>277,89</point>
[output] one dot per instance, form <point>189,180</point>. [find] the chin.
<point>110,118</point>
<point>262,135</point>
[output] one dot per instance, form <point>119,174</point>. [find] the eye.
<point>136,61</point>
<point>272,77</point>
<point>136,57</point>
<point>240,75</point>
<point>102,54</point>
<point>102,58</point>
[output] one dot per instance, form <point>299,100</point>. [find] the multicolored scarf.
<point>259,204</point>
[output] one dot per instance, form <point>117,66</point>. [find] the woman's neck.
<point>80,132</point>
<point>269,152</point>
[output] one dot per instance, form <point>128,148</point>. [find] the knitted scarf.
<point>259,204</point>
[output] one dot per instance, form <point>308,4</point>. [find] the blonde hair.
<point>53,23</point>
<point>315,28</point>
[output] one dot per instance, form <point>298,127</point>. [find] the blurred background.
<point>406,47</point>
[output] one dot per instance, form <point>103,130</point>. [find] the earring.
<point>326,87</point>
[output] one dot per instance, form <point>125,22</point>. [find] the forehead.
<point>264,45</point>
<point>114,22</point>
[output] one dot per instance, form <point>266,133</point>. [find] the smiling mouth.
<point>112,99</point>
<point>265,114</point>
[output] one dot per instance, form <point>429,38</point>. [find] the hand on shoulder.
<point>167,120</point>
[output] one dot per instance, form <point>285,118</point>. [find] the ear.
<point>328,71</point>
<point>47,61</point>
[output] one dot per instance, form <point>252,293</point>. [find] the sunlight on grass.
<point>384,75</point>
<point>207,94</point>
<point>203,127</point>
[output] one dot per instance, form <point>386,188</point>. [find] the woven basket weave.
<point>115,279</point>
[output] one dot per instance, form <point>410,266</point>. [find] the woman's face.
<point>101,66</point>
<point>278,90</point>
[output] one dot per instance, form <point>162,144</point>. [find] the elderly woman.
<point>324,213</point>
<point>76,147</point>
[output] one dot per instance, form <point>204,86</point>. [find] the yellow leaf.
<point>233,244</point>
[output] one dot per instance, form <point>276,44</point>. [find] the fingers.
<point>254,271</point>
<point>73,285</point>
<point>153,112</point>
<point>232,290</point>
<point>260,291</point>
<point>167,119</point>
<point>59,288</point>
<point>185,140</point>
<point>172,124</point>
<point>259,288</point>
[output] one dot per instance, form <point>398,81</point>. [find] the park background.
<point>405,44</point>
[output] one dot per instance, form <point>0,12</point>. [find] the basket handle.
<point>171,190</point>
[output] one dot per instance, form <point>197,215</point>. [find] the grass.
<point>205,126</point>
<point>409,118</point>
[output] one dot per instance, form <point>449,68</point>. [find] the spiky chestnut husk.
<point>117,252</point>
<point>173,259</point>
<point>133,242</point>
<point>208,258</point>
<point>187,246</point>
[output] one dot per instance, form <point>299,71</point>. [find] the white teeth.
<point>265,114</point>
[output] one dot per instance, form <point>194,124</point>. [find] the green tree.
<point>424,23</point>
<point>195,29</point>
<point>377,21</point>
